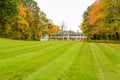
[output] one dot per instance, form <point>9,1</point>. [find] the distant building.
<point>44,38</point>
<point>69,35</point>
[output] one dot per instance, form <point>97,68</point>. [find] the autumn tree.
<point>111,16</point>
<point>52,28</point>
<point>101,20</point>
<point>8,10</point>
<point>23,20</point>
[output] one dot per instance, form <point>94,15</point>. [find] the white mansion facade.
<point>69,35</point>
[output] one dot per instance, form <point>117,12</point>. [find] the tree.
<point>22,25</point>
<point>8,10</point>
<point>102,18</point>
<point>62,28</point>
<point>23,19</point>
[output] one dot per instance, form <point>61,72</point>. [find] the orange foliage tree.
<point>92,20</point>
<point>94,13</point>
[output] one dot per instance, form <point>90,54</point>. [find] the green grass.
<point>58,60</point>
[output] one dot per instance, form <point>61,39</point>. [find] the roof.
<point>69,33</point>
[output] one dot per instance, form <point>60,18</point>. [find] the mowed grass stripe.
<point>24,66</point>
<point>14,44</point>
<point>98,69</point>
<point>112,54</point>
<point>55,69</point>
<point>5,53</point>
<point>115,46</point>
<point>110,69</point>
<point>11,41</point>
<point>23,44</point>
<point>82,67</point>
<point>33,54</point>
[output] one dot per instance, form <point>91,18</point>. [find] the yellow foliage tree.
<point>22,22</point>
<point>52,30</point>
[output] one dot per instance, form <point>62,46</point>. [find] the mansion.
<point>69,35</point>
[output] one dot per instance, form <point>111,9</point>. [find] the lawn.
<point>58,60</point>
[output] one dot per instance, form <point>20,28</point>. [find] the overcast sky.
<point>69,11</point>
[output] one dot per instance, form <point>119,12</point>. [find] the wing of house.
<point>44,38</point>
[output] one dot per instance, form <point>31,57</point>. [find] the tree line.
<point>24,20</point>
<point>101,20</point>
